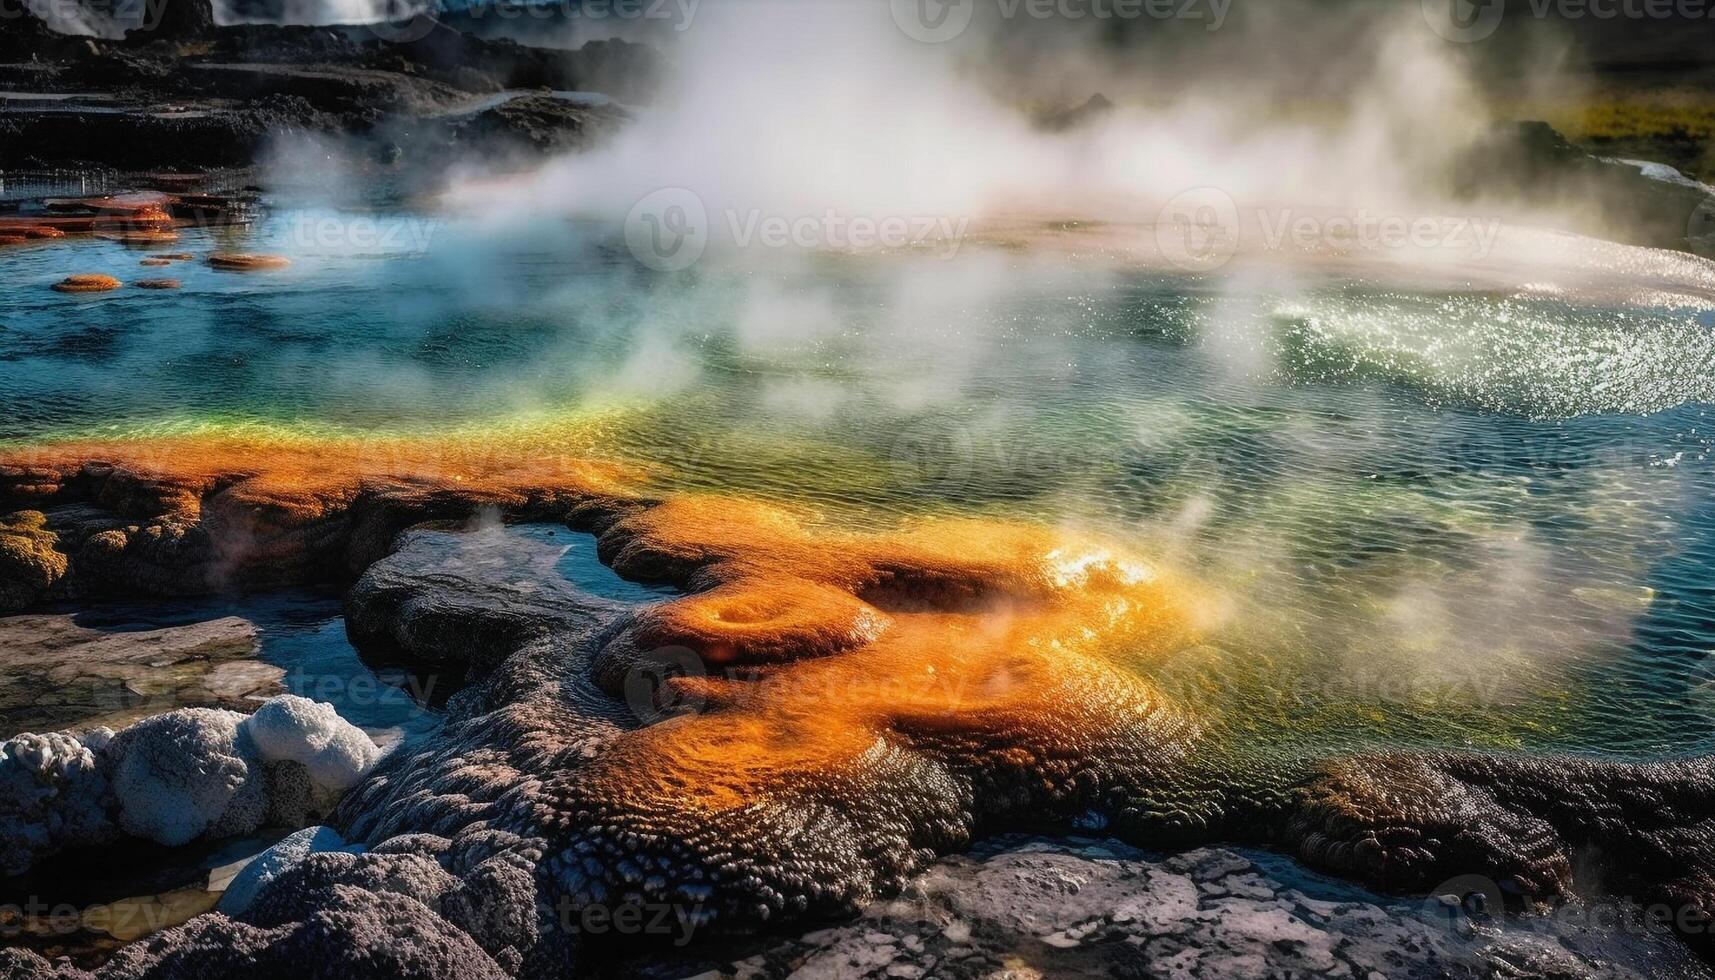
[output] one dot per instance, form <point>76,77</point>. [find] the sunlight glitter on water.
<point>1441,514</point>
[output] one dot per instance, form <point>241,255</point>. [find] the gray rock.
<point>1030,907</point>
<point>242,892</point>
<point>58,673</point>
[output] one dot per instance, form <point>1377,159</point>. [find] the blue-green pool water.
<point>1440,510</point>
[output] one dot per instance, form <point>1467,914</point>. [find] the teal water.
<point>303,634</point>
<point>1441,510</point>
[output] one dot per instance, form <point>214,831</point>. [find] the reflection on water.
<point>117,662</point>
<point>1439,514</point>
<point>575,561</point>
<point>239,650</point>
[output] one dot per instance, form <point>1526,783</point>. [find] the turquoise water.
<point>303,634</point>
<point>1441,511</point>
<point>577,563</point>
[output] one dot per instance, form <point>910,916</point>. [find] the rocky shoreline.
<point>193,95</point>
<point>566,776</point>
<point>1078,907</point>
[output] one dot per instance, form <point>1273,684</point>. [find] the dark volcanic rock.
<point>1530,162</point>
<point>56,672</point>
<point>1081,908</point>
<point>629,72</point>
<point>353,933</point>
<point>537,124</point>
<point>1021,907</point>
<point>351,94</point>
<point>736,803</point>
<point>487,600</point>
<point>183,20</point>
<point>1536,828</point>
<point>189,94</point>
<point>226,135</point>
<point>24,37</point>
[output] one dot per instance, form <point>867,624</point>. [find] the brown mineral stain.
<point>245,262</point>
<point>87,284</point>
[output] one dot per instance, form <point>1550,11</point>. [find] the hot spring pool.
<point>1436,511</point>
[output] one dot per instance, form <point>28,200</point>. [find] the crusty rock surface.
<point>188,775</point>
<point>1537,827</point>
<point>353,933</point>
<point>30,564</point>
<point>1013,906</point>
<point>1033,907</point>
<point>52,795</point>
<point>529,746</point>
<point>773,749</point>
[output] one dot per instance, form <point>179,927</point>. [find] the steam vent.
<point>754,489</point>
